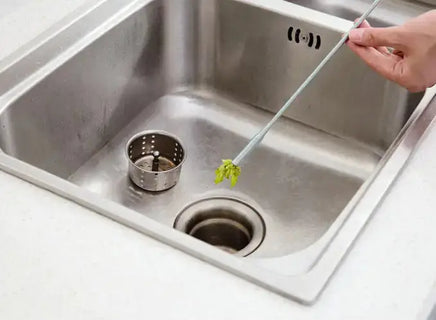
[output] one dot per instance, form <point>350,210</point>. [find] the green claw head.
<point>227,171</point>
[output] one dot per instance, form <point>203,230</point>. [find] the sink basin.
<point>212,73</point>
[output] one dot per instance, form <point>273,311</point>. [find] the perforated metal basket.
<point>155,160</point>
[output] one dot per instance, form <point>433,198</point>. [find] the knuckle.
<point>399,73</point>
<point>415,84</point>
<point>415,89</point>
<point>396,36</point>
<point>409,77</point>
<point>369,38</point>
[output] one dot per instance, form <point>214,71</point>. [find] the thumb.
<point>376,37</point>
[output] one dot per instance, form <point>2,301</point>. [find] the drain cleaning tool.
<point>230,168</point>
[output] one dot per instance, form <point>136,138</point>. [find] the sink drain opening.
<point>225,223</point>
<point>224,233</point>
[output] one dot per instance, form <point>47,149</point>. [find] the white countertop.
<point>61,261</point>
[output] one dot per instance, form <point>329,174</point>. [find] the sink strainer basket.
<point>155,160</point>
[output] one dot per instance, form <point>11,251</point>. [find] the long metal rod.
<point>259,136</point>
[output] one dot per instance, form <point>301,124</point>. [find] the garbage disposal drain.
<point>225,223</point>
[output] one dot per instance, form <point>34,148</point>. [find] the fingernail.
<point>356,35</point>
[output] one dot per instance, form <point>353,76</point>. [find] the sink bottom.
<point>305,179</point>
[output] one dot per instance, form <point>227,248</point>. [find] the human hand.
<point>412,63</point>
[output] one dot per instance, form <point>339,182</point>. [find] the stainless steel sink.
<point>213,72</point>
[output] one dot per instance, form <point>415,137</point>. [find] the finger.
<point>398,53</point>
<point>386,65</point>
<point>416,89</point>
<point>375,37</point>
<point>366,24</point>
<point>414,78</point>
<point>392,67</point>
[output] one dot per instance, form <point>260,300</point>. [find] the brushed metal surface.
<point>212,72</point>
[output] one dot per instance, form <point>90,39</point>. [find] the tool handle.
<point>259,136</point>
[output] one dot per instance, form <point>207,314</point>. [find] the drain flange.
<point>226,223</point>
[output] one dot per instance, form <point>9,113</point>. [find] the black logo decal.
<point>298,36</point>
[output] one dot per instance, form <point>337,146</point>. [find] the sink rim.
<point>304,287</point>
